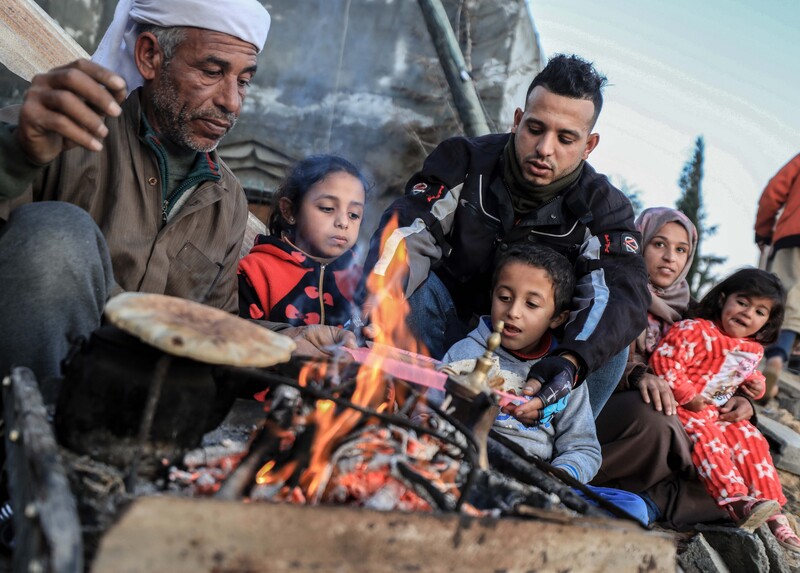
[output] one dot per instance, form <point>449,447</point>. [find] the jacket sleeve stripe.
<point>393,242</point>
<point>600,289</point>
<point>420,242</point>
<point>599,292</point>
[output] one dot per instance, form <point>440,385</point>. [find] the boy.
<point>531,293</point>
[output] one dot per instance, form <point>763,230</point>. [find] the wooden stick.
<point>465,95</point>
<point>31,41</point>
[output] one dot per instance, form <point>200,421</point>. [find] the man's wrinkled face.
<point>552,135</point>
<point>198,95</point>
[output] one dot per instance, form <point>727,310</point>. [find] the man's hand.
<point>698,403</point>
<point>319,340</point>
<point>66,107</point>
<point>736,409</point>
<point>657,392</point>
<point>549,383</point>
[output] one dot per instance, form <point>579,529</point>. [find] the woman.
<point>645,449</point>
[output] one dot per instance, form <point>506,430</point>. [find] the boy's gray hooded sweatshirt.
<point>569,441</point>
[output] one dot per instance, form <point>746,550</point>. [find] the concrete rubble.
<point>715,549</point>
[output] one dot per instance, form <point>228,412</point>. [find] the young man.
<point>129,191</point>
<point>474,197</point>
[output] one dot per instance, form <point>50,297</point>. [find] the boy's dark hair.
<point>304,175</point>
<point>558,268</point>
<point>748,282</point>
<point>574,77</point>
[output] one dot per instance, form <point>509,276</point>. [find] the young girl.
<point>304,272</point>
<point>705,360</point>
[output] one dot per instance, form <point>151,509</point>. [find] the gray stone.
<point>742,552</point>
<point>775,553</point>
<point>785,444</point>
<point>700,557</point>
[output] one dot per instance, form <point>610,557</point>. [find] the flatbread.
<point>184,328</point>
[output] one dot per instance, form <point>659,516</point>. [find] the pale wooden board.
<point>199,535</point>
<point>31,41</point>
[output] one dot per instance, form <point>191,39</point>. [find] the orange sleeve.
<point>773,198</point>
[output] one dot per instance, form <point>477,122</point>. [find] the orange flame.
<point>387,299</point>
<point>389,310</point>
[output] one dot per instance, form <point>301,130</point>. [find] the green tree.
<point>633,193</point>
<point>701,273</point>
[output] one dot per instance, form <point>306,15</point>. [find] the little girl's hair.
<point>305,174</point>
<point>747,282</point>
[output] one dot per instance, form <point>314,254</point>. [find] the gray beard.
<point>174,119</point>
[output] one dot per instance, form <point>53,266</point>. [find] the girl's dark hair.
<point>304,175</point>
<point>747,282</point>
<point>561,273</point>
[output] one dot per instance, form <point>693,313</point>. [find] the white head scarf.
<point>247,20</point>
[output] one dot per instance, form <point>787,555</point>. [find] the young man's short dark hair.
<point>573,77</point>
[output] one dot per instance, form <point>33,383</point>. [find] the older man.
<point>140,187</point>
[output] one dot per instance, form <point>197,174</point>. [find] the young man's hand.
<point>549,384</point>
<point>66,107</point>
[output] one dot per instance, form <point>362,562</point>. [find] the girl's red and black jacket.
<point>280,283</point>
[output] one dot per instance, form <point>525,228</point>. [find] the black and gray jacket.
<point>456,213</point>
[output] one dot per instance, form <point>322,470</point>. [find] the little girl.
<point>304,271</point>
<point>705,360</point>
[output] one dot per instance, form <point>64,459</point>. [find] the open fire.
<point>350,432</point>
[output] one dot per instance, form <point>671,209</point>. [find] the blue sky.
<point>724,69</point>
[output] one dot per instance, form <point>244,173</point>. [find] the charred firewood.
<point>437,499</point>
<point>509,462</point>
<point>511,458</point>
<point>496,491</point>
<point>285,405</point>
<point>46,526</point>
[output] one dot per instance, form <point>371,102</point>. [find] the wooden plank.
<point>193,536</point>
<point>31,41</point>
